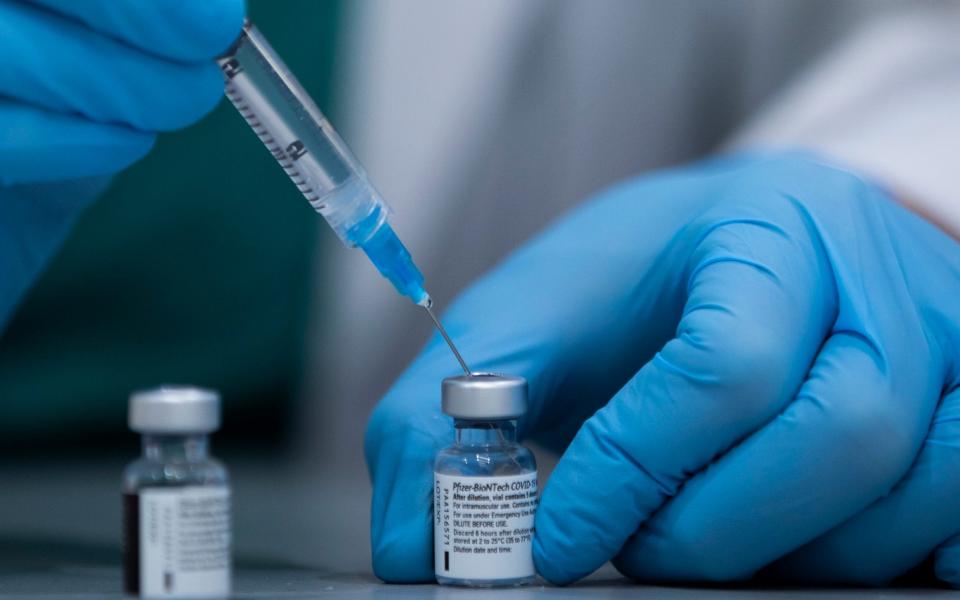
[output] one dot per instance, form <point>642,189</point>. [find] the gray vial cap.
<point>484,396</point>
<point>174,410</point>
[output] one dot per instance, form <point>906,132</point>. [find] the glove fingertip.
<point>211,89</point>
<point>547,567</point>
<point>140,146</point>
<point>47,146</point>
<point>118,149</point>
<point>403,554</point>
<point>185,31</point>
<point>216,23</point>
<point>200,92</point>
<point>125,149</point>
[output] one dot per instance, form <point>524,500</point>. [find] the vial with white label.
<point>485,486</point>
<point>176,498</point>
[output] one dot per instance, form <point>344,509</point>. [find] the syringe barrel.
<point>315,158</point>
<point>300,138</point>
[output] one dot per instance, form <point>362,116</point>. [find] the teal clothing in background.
<point>194,267</point>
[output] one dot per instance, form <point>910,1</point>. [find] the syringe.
<point>318,162</point>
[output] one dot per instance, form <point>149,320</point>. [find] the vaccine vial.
<point>485,486</point>
<point>176,498</point>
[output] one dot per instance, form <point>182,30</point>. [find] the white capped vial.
<point>176,498</point>
<point>484,486</point>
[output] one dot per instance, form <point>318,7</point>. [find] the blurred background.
<point>479,123</point>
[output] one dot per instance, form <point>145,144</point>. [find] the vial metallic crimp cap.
<point>483,396</point>
<point>174,410</point>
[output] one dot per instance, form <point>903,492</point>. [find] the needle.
<point>446,337</point>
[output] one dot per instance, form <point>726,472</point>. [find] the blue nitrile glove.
<point>752,363</point>
<point>84,89</point>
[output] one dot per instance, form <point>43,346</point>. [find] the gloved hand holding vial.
<point>749,364</point>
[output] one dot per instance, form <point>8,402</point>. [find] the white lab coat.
<point>480,122</point>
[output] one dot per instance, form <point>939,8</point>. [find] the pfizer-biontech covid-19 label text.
<point>184,542</point>
<point>483,526</point>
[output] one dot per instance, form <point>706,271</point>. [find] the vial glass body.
<point>484,454</point>
<point>174,495</point>
<point>174,460</point>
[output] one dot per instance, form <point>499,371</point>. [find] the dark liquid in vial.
<point>131,544</point>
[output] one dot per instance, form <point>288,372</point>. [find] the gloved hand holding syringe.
<point>318,162</point>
